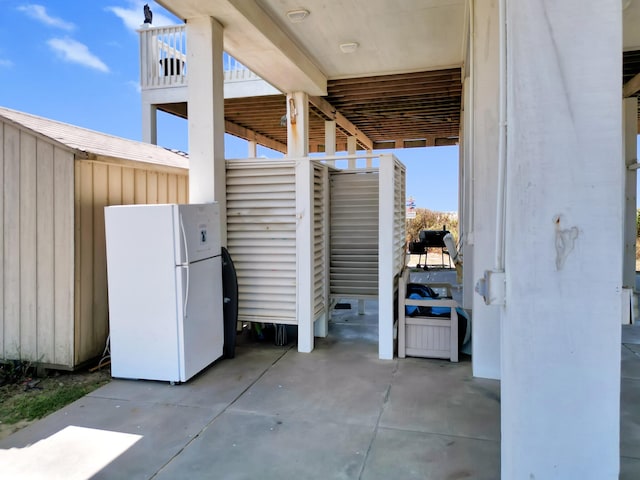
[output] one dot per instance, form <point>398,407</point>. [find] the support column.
<point>561,324</point>
<point>466,198</point>
<point>297,125</point>
<point>330,139</point>
<point>485,85</point>
<point>352,146</point>
<point>321,325</point>
<point>304,254</point>
<point>252,149</point>
<point>206,115</point>
<point>630,112</point>
<point>386,290</point>
<point>149,123</point>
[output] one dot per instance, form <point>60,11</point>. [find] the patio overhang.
<point>252,36</point>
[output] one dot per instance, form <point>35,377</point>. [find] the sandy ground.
<point>433,259</point>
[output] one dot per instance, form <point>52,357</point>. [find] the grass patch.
<point>33,405</point>
<point>17,404</point>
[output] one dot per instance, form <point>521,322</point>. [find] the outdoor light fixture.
<point>349,47</point>
<point>293,112</point>
<point>296,16</point>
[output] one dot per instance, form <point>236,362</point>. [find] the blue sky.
<point>77,62</point>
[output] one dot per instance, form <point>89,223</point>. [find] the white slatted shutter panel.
<point>261,238</point>
<point>354,233</point>
<point>399,220</point>
<point>319,245</point>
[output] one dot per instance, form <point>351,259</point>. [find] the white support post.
<point>206,115</point>
<point>466,204</point>
<point>369,159</point>
<point>560,384</point>
<point>352,146</point>
<point>297,125</point>
<point>485,76</point>
<point>252,146</point>
<point>630,151</point>
<point>385,257</point>
<point>304,254</point>
<point>330,140</point>
<point>149,123</point>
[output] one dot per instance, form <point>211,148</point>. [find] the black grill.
<point>433,238</point>
<point>428,239</point>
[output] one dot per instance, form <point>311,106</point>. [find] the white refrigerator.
<point>165,290</point>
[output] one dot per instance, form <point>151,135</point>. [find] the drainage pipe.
<point>470,144</point>
<point>502,140</point>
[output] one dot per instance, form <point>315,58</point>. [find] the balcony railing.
<point>163,59</point>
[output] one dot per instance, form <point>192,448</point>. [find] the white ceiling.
<point>394,36</point>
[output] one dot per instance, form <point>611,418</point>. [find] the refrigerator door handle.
<point>186,293</point>
<point>185,265</point>
<point>184,242</point>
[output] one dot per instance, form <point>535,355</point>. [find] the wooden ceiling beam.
<point>402,82</point>
<point>407,104</point>
<point>631,87</point>
<point>250,135</point>
<point>327,109</point>
<point>337,90</point>
<point>416,94</point>
<point>452,73</point>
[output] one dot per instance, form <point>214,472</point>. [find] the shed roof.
<point>92,143</point>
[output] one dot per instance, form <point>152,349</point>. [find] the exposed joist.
<point>426,142</point>
<point>452,74</point>
<point>327,109</point>
<point>242,132</point>
<point>631,87</point>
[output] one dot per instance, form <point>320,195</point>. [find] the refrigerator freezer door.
<point>142,292</point>
<point>201,329</point>
<point>199,227</point>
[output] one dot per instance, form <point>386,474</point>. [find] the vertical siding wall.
<point>98,184</point>
<point>36,253</point>
<point>53,290</point>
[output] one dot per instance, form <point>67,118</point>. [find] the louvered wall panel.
<point>319,230</point>
<point>354,233</point>
<point>399,217</point>
<point>261,238</point>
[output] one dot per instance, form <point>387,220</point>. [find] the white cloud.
<point>5,63</point>
<point>38,12</point>
<point>134,85</point>
<point>75,52</point>
<point>133,17</point>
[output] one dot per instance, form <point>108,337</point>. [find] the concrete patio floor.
<point>273,413</point>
